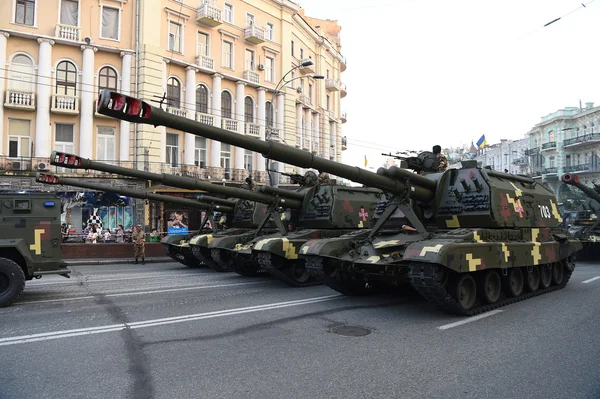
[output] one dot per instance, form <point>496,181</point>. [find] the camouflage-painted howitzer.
<point>586,226</point>
<point>464,229</point>
<point>178,253</point>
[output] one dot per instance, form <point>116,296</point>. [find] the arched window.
<point>173,93</point>
<point>107,79</point>
<point>202,99</point>
<point>66,79</point>
<point>226,105</point>
<point>21,73</point>
<point>269,113</point>
<point>248,110</point>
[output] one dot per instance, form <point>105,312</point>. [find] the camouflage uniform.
<point>138,238</point>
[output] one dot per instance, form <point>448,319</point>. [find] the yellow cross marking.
<point>435,249</point>
<point>473,262</point>
<point>453,222</point>
<point>259,245</point>
<point>555,212</point>
<point>289,249</point>
<point>242,247</point>
<point>518,192</point>
<point>373,259</point>
<point>516,203</point>
<point>304,249</point>
<point>381,244</point>
<point>476,237</point>
<point>506,252</point>
<point>535,251</point>
<point>37,243</point>
<point>197,238</point>
<point>594,216</point>
<point>360,224</point>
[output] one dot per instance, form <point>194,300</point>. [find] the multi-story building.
<point>218,62</point>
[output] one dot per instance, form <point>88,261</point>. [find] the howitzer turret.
<point>586,226</point>
<point>573,180</point>
<point>463,228</point>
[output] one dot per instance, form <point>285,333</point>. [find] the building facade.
<point>217,62</point>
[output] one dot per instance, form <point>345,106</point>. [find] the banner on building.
<point>178,222</point>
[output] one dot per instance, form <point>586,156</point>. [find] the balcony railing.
<point>298,141</point>
<point>177,111</point>
<point>64,104</point>
<point>254,34</point>
<point>205,118</point>
<point>587,138</point>
<point>520,161</point>
<point>205,62</point>
<point>229,124</point>
<point>250,129</point>
<point>307,69</point>
<point>274,134</point>
<point>332,85</point>
<point>315,147</point>
<point>343,90</point>
<point>344,143</point>
<point>552,170</point>
<point>584,168</point>
<point>252,76</point>
<point>68,32</point>
<point>209,15</point>
<point>343,64</point>
<point>306,144</point>
<point>304,100</point>
<point>549,146</point>
<point>532,151</point>
<point>331,114</point>
<point>20,99</point>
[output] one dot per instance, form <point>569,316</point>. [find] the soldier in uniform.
<point>437,150</point>
<point>138,237</point>
<point>323,177</point>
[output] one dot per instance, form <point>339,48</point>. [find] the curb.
<point>118,261</point>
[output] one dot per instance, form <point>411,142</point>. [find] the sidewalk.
<point>113,261</point>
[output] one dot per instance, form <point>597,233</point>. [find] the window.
<point>173,93</point>
<point>292,48</point>
<point>302,85</point>
<point>18,138</point>
<point>228,13</point>
<point>110,23</point>
<point>66,79</point>
<point>269,31</point>
<point>63,138</point>
<point>202,99</point>
<point>551,136</point>
<point>200,152</point>
<point>328,102</point>
<point>250,65</point>
<point>301,53</point>
<point>226,105</point>
<point>69,12</point>
<point>175,37</point>
<point>310,91</point>
<point>203,42</point>
<point>21,73</point>
<point>105,148</point>
<point>327,75</point>
<point>107,79</point>
<point>248,160</point>
<point>269,113</point>
<point>225,156</point>
<point>227,54</point>
<point>292,81</point>
<point>270,69</point>
<point>248,110</point>
<point>173,149</point>
<point>249,19</point>
<point>25,12</point>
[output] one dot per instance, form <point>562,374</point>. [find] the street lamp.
<point>280,85</point>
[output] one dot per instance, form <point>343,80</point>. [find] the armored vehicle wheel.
<point>299,272</point>
<point>515,282</point>
<point>545,276</point>
<point>533,279</point>
<point>12,282</point>
<point>466,291</point>
<point>491,286</point>
<point>558,273</point>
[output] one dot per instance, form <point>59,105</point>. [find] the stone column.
<point>299,132</point>
<point>316,138</point>
<point>43,93</point>
<point>3,42</point>
<point>262,122</point>
<point>125,89</point>
<point>214,164</point>
<point>189,140</point>
<point>238,161</point>
<point>86,124</point>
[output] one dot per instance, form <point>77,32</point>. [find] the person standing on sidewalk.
<point>138,237</point>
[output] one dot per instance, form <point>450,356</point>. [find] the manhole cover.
<point>351,331</point>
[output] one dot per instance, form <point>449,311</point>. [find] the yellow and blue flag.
<point>481,142</point>
<point>366,161</point>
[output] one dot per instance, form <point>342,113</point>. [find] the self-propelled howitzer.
<point>586,226</point>
<point>175,252</point>
<point>481,238</point>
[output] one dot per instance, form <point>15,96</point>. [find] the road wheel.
<point>533,279</point>
<point>558,273</point>
<point>12,282</point>
<point>491,286</point>
<point>545,276</point>
<point>515,282</point>
<point>466,291</point>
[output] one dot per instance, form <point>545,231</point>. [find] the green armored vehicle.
<point>30,241</point>
<point>174,252</point>
<point>472,239</point>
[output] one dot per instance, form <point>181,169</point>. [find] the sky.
<point>426,72</point>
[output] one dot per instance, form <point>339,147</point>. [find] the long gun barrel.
<point>49,178</point>
<point>127,108</point>
<point>74,162</point>
<point>573,180</point>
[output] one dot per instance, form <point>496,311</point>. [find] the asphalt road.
<point>166,331</point>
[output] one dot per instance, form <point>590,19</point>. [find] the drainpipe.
<point>137,71</point>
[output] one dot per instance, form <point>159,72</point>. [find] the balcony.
<point>252,76</point>
<point>314,147</point>
<point>343,117</point>
<point>307,69</point>
<point>253,34</point>
<point>331,114</point>
<point>209,15</point>
<point>585,139</point>
<point>274,134</point>
<point>549,146</point>
<point>68,32</point>
<point>532,151</point>
<point>250,129</point>
<point>304,100</point>
<point>205,118</point>
<point>584,168</point>
<point>229,124</point>
<point>306,144</point>
<point>343,92</point>
<point>205,62</point>
<point>343,64</point>
<point>520,162</point>
<point>344,143</point>
<point>332,85</point>
<point>24,100</point>
<point>550,171</point>
<point>298,142</point>
<point>65,104</point>
<point>177,111</point>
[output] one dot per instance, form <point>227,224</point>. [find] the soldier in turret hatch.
<point>437,150</point>
<point>323,178</point>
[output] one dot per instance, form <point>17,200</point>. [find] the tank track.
<point>314,265</point>
<point>241,266</point>
<point>208,261</point>
<point>424,278</point>
<point>341,282</point>
<point>284,270</point>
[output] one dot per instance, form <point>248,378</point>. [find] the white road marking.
<point>74,280</point>
<point>23,339</point>
<point>590,280</point>
<point>201,287</point>
<point>470,319</point>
